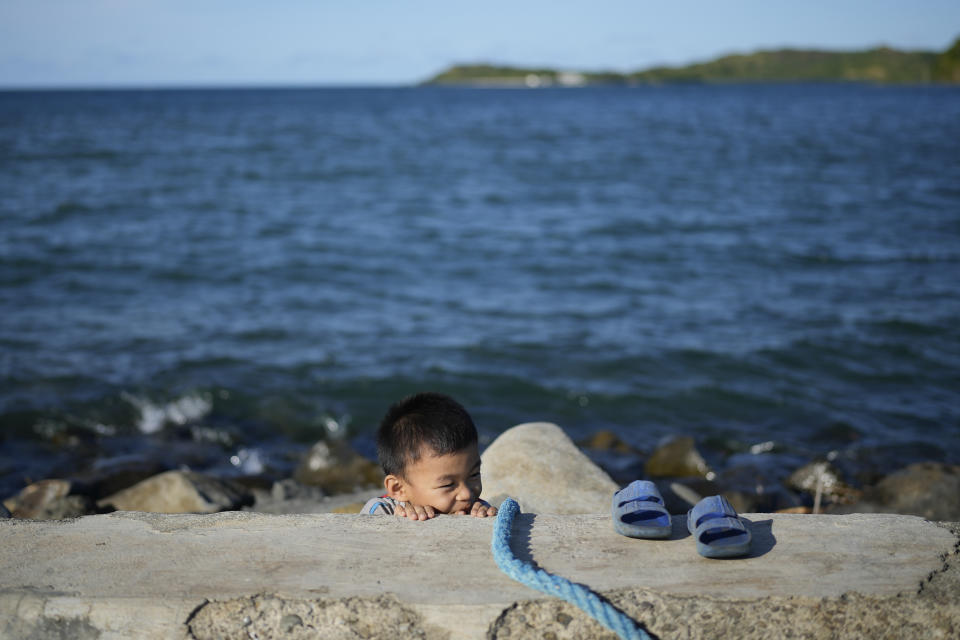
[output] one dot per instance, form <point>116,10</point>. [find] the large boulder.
<point>179,492</point>
<point>540,467</point>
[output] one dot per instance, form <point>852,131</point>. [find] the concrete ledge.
<point>246,575</point>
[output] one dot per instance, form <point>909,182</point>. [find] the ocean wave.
<point>153,417</point>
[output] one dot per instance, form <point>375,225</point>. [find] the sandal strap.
<point>720,524</point>
<point>710,508</point>
<point>638,490</point>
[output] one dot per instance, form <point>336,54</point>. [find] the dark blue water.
<point>205,275</point>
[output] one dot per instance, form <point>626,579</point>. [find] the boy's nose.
<point>466,493</point>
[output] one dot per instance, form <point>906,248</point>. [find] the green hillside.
<point>875,65</point>
<point>881,65</point>
<point>946,68</point>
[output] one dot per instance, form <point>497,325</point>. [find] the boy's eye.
<point>475,475</point>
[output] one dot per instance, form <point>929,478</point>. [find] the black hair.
<point>428,419</point>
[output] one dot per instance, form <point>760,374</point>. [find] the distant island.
<point>881,65</point>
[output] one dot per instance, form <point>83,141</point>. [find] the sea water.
<point>213,277</point>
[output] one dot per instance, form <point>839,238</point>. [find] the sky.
<point>107,43</point>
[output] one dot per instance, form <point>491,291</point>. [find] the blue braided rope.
<point>525,573</point>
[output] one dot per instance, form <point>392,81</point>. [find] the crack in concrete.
<point>946,561</point>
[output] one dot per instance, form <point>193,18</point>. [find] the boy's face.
<point>449,483</point>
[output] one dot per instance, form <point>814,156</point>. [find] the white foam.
<point>762,447</point>
<point>154,417</point>
<point>248,461</point>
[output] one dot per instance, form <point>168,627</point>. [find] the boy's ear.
<point>395,487</point>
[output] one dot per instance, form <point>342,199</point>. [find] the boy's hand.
<point>414,511</point>
<point>479,510</point>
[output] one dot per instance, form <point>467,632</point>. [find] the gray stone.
<point>290,489</point>
<point>179,492</point>
<point>37,494</point>
<point>66,507</point>
<point>774,499</point>
<point>822,477</point>
<point>114,475</point>
<point>927,489</point>
<point>238,574</point>
<point>542,469</point>
<point>48,500</point>
<point>677,458</point>
<point>681,494</point>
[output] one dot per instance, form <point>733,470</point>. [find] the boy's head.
<point>427,445</point>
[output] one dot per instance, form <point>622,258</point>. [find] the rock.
<point>539,466</point>
<point>679,495</point>
<point>622,469</point>
<point>619,460</point>
<point>34,495</point>
<point>72,506</point>
<point>290,489</point>
<point>286,496</point>
<point>837,432</point>
<point>606,440</point>
<point>677,458</point>
<point>336,468</point>
<point>831,485</point>
<point>927,489</point>
<point>774,500</point>
<point>48,500</point>
<point>113,475</point>
<point>179,492</point>
<point>755,485</point>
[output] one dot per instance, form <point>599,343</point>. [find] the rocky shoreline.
<point>332,477</point>
<point>282,560</point>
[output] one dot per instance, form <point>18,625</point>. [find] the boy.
<point>427,445</point>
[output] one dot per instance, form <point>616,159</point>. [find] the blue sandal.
<point>718,530</point>
<point>638,511</point>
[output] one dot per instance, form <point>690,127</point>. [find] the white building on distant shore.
<point>571,79</point>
